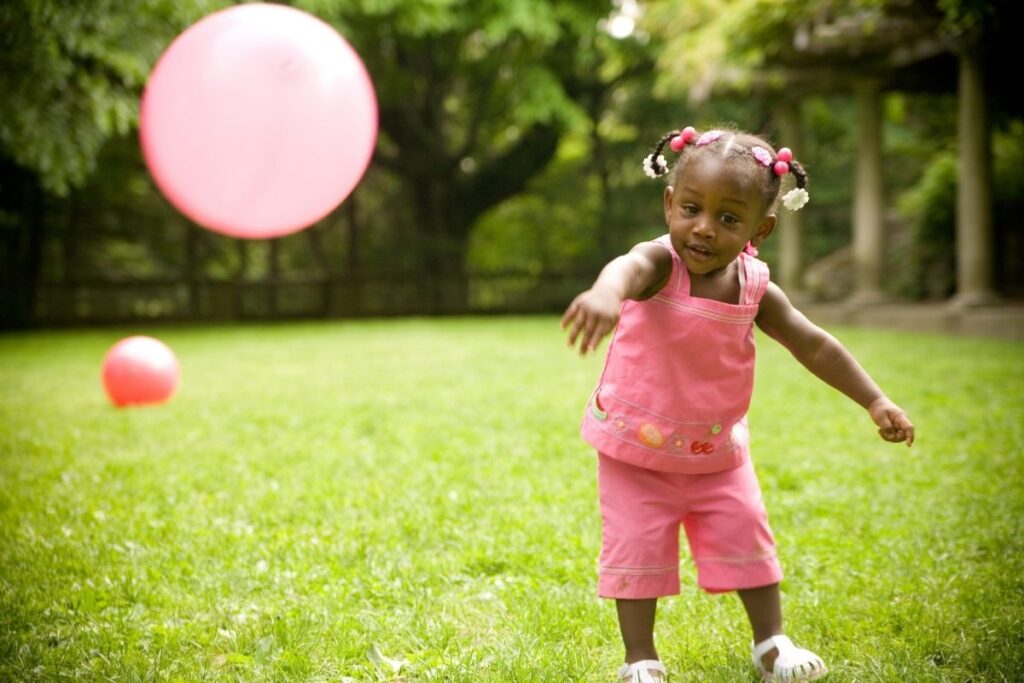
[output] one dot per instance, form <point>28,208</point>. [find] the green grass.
<point>321,502</point>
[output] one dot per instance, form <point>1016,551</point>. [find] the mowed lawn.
<point>410,500</point>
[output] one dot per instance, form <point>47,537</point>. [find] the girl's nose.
<point>704,227</point>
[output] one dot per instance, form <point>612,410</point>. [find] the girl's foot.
<point>644,671</point>
<point>789,664</point>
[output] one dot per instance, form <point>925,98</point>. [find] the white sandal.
<point>640,672</point>
<point>792,664</point>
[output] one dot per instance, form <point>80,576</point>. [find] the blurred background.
<point>507,170</point>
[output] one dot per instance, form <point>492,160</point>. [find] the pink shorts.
<point>725,521</point>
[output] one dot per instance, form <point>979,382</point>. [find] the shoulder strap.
<point>756,277</point>
<point>679,279</point>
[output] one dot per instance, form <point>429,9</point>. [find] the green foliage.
<point>72,75</point>
<point>711,43</point>
<point>461,59</point>
<point>474,99</point>
<point>930,208</point>
<point>963,16</point>
<point>511,134</point>
<point>410,500</point>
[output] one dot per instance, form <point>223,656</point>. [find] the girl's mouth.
<point>699,251</point>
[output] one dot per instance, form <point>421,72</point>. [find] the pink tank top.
<point>678,377</point>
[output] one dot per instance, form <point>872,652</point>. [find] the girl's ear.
<point>764,229</point>
<point>668,204</point>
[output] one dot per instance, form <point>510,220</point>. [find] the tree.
<point>793,52</point>
<point>474,98</point>
<point>71,78</point>
<point>72,74</point>
<point>733,45</point>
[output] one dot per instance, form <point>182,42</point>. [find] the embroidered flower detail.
<point>620,424</point>
<point>795,199</point>
<point>598,414</point>
<point>678,443</point>
<point>652,168</point>
<point>762,155</point>
<point>651,435</point>
<point>709,137</point>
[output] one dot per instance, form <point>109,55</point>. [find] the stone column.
<point>974,236</point>
<point>868,197</point>
<point>791,225</point>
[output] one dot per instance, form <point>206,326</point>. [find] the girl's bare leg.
<point>764,609</point>
<point>636,622</point>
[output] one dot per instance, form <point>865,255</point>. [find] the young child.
<point>668,416</point>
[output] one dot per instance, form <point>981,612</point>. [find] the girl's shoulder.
<point>666,263</point>
<point>660,248</point>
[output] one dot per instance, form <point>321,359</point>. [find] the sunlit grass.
<point>410,500</point>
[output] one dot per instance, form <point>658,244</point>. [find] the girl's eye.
<point>690,209</point>
<point>729,219</point>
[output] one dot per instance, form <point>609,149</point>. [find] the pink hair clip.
<point>679,141</point>
<point>709,137</point>
<point>762,155</point>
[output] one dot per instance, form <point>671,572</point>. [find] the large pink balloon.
<point>140,370</point>
<point>258,120</point>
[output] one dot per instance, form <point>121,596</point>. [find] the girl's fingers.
<point>589,340</point>
<point>573,317</point>
<point>906,427</point>
<point>577,330</point>
<point>896,427</point>
<point>569,314</point>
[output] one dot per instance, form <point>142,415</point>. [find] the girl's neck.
<point>718,285</point>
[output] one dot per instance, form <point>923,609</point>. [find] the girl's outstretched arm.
<point>636,275</point>
<point>822,354</point>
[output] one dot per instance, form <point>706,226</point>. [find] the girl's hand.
<point>591,316</point>
<point>893,423</point>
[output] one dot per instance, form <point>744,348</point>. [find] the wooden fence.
<point>101,303</point>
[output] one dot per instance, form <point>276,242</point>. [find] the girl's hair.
<point>737,146</point>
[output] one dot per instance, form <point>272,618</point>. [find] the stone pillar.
<point>868,197</point>
<point>974,234</point>
<point>791,224</point>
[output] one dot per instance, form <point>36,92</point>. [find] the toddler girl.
<point>668,416</point>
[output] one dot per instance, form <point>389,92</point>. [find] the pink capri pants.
<point>725,521</point>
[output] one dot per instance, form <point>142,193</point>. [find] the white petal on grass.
<point>379,660</point>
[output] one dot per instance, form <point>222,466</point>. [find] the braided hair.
<point>732,145</point>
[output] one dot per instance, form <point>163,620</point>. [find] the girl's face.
<point>714,209</point>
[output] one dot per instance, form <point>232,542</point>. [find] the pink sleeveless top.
<point>678,377</point>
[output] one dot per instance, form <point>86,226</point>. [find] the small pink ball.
<point>785,154</point>
<point>781,168</point>
<point>140,370</point>
<point>689,133</point>
<point>677,143</point>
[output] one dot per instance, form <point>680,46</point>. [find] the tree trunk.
<point>439,264</point>
<point>192,269</point>
<point>240,277</point>
<point>273,276</point>
<point>354,262</point>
